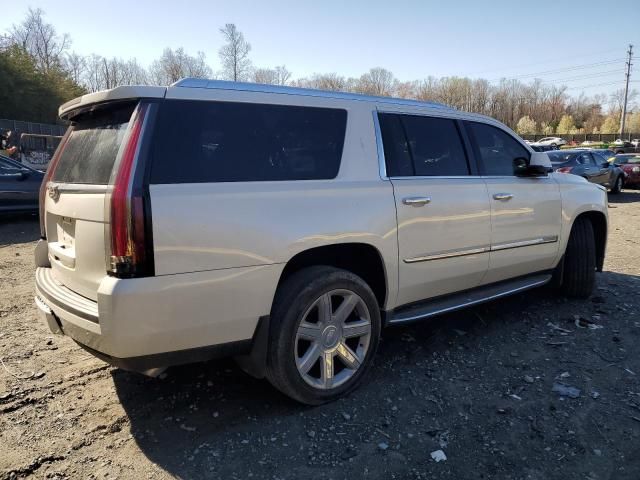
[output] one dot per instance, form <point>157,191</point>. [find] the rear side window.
<point>422,146</point>
<point>92,146</point>
<point>199,142</point>
<point>496,150</point>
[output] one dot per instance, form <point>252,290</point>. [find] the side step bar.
<point>467,298</point>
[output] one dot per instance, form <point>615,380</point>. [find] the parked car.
<point>541,148</point>
<point>589,164</point>
<point>635,142</point>
<point>287,226</point>
<point>19,186</point>
<point>552,141</point>
<point>624,147</point>
<point>630,165</point>
<point>36,150</point>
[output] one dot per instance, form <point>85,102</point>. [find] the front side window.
<point>498,152</point>
<point>197,142</point>
<point>422,146</point>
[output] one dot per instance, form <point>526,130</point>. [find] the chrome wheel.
<point>332,339</point>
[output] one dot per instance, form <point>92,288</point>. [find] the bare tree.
<point>325,81</point>
<point>102,73</point>
<point>377,81</point>
<point>273,76</point>
<point>40,40</point>
<point>75,65</point>
<point>234,54</point>
<point>176,64</point>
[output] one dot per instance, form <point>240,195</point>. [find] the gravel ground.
<point>477,385</point>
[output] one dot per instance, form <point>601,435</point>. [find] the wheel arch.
<point>599,222</point>
<point>363,259</point>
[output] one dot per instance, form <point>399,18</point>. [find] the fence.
<point>20,126</point>
<point>581,137</point>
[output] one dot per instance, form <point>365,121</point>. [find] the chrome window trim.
<point>382,162</point>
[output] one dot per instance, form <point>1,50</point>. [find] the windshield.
<point>561,157</point>
<point>624,159</point>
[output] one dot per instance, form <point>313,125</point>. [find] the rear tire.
<point>313,356</point>
<point>617,185</point>
<point>580,261</point>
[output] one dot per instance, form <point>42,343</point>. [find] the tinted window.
<point>396,150</point>
<point>235,142</point>
<point>422,146</point>
<point>7,168</point>
<point>93,145</point>
<point>496,149</point>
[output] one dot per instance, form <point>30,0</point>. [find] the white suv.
<point>286,227</point>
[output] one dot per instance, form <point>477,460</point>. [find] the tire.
<point>617,185</point>
<point>291,352</point>
<point>579,273</point>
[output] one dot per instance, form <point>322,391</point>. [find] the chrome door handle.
<point>416,201</point>
<point>503,196</point>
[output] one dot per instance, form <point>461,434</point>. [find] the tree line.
<point>39,71</point>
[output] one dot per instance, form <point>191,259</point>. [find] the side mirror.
<point>538,165</point>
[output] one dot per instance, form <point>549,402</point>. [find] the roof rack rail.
<point>263,88</point>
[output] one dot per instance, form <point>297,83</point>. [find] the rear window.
<point>196,142</point>
<point>93,144</point>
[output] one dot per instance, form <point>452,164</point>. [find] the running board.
<point>467,298</point>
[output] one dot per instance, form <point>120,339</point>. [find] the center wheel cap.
<point>330,336</point>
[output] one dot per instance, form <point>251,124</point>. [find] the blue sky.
<point>413,39</point>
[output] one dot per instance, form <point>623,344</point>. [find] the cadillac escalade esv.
<point>286,227</point>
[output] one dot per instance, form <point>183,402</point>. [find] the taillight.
<point>128,247</point>
<point>564,170</point>
<point>47,176</point>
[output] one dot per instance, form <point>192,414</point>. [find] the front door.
<point>442,211</point>
<point>525,211</point>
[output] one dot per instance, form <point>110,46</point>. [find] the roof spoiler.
<point>119,93</point>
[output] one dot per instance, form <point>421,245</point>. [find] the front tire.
<point>579,273</point>
<point>324,333</point>
<point>617,186</point>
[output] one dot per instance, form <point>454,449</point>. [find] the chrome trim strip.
<point>382,162</point>
<point>525,243</point>
<point>449,254</point>
<point>474,302</point>
<point>79,187</point>
<point>477,250</point>
<point>309,92</point>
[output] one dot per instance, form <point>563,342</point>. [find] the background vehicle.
<point>589,164</point>
<point>620,146</point>
<point>36,150</point>
<point>553,141</point>
<point>541,148</point>
<point>19,186</point>
<point>630,165</point>
<point>287,226</point>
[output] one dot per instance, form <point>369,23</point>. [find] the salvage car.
<point>630,165</point>
<point>591,165</point>
<point>286,226</point>
<point>19,186</point>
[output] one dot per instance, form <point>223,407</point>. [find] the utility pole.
<point>626,92</point>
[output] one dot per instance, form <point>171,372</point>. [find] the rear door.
<point>16,191</point>
<point>525,211</point>
<point>75,209</point>
<point>442,209</point>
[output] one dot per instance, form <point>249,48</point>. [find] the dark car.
<point>624,147</point>
<point>630,165</point>
<point>589,164</point>
<point>19,186</point>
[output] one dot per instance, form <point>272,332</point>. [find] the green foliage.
<point>29,94</point>
<point>566,125</point>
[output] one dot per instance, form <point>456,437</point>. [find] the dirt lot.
<point>475,384</point>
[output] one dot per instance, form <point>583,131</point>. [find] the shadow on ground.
<point>626,196</point>
<point>434,383</point>
<point>15,229</point>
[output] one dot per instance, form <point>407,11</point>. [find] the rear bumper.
<point>140,324</point>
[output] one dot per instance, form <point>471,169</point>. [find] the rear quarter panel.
<point>209,226</point>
